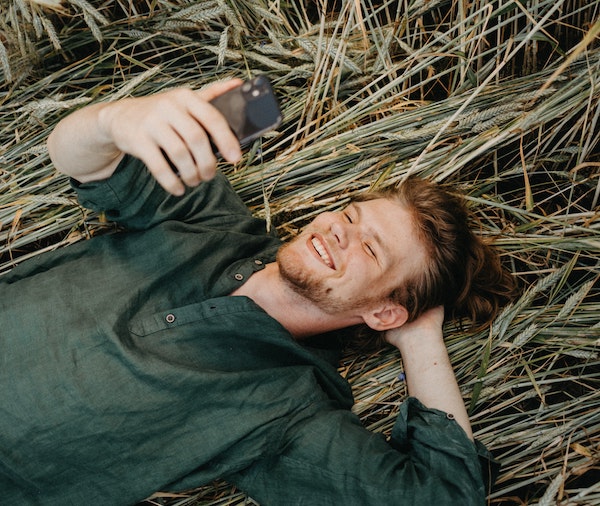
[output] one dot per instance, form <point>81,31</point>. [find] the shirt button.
<point>170,318</point>
<point>239,276</point>
<point>450,416</point>
<point>258,262</point>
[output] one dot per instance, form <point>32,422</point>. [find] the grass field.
<point>501,98</point>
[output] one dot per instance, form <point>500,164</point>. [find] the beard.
<point>312,287</point>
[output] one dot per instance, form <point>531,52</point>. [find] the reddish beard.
<point>313,287</point>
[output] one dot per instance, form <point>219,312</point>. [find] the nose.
<point>340,229</point>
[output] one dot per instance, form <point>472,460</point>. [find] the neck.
<point>300,316</point>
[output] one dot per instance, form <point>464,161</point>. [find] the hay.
<point>500,98</point>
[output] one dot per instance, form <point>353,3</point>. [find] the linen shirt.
<point>127,367</point>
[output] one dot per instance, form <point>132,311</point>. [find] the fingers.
<point>215,123</point>
<point>215,89</point>
<point>428,323</point>
<point>192,122</point>
<point>187,147</point>
<point>172,132</point>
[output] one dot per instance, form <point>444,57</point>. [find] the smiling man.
<point>174,352</point>
<point>340,270</point>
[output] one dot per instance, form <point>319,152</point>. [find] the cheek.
<point>291,252</point>
<point>361,273</point>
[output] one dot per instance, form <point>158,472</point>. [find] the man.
<point>173,353</point>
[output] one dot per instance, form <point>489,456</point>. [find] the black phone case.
<point>250,109</point>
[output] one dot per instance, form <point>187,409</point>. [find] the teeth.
<point>322,252</point>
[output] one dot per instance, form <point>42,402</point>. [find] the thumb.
<point>215,89</point>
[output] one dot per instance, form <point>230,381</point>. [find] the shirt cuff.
<point>112,192</point>
<point>430,433</point>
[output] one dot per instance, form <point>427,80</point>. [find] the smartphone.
<point>251,109</point>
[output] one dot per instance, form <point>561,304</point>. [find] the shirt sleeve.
<point>330,459</point>
<point>134,199</point>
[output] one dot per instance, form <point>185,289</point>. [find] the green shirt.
<point>127,368</point>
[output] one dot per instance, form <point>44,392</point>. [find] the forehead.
<point>384,215</point>
<point>393,225</point>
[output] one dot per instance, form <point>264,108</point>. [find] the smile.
<point>322,251</point>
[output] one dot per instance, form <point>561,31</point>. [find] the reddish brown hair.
<point>463,272</point>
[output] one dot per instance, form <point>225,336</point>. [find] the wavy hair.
<point>463,271</point>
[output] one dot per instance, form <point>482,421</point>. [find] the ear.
<point>387,316</point>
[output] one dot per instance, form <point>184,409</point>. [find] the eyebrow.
<point>373,233</point>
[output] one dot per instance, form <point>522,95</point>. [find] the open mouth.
<point>322,252</point>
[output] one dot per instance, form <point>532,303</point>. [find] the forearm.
<point>430,377</point>
<point>80,147</point>
<point>429,374</point>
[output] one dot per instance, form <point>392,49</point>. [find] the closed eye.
<point>372,241</point>
<point>348,218</point>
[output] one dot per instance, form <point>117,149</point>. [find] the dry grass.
<point>498,97</point>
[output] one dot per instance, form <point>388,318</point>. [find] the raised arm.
<point>89,144</point>
<point>429,374</point>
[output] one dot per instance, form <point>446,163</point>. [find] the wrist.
<point>418,342</point>
<point>104,124</point>
<point>425,330</point>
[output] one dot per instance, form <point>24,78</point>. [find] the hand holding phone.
<point>170,132</point>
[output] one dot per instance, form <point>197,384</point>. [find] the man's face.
<point>354,258</point>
